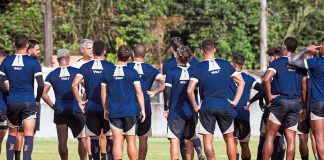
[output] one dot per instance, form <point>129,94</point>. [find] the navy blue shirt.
<point>121,94</point>
<point>214,78</point>
<point>178,79</point>
<point>288,79</point>
<point>3,98</point>
<point>239,111</point>
<point>21,70</point>
<point>172,63</point>
<point>61,80</point>
<point>92,73</point>
<point>148,75</point>
<point>316,78</point>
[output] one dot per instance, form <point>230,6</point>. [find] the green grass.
<point>158,149</point>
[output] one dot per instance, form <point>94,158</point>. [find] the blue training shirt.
<point>288,79</point>
<point>239,111</point>
<point>3,98</point>
<point>92,73</point>
<point>61,80</point>
<point>315,66</point>
<point>214,78</point>
<point>172,63</point>
<point>121,94</point>
<point>178,79</point>
<point>21,70</point>
<point>148,75</point>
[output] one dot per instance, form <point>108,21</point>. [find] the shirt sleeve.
<point>195,75</point>
<point>80,71</point>
<point>273,66</point>
<point>48,79</point>
<point>37,69</point>
<point>311,63</point>
<point>136,77</point>
<point>2,70</point>
<point>168,80</point>
<point>156,73</point>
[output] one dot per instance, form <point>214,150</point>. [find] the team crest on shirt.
<point>64,74</point>
<point>213,66</point>
<point>97,67</point>
<point>119,73</point>
<point>138,68</point>
<point>18,62</point>
<point>291,68</point>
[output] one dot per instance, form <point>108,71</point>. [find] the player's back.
<point>92,73</point>
<point>172,63</point>
<point>121,94</point>
<point>315,68</point>
<point>61,80</point>
<point>178,79</point>
<point>21,71</point>
<point>214,77</point>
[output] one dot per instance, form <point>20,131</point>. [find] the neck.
<point>209,56</point>
<point>86,58</point>
<point>182,64</point>
<point>138,59</point>
<point>21,51</point>
<point>63,63</point>
<point>121,63</point>
<point>287,54</point>
<point>98,57</point>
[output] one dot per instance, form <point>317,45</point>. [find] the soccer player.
<point>92,74</point>
<point>67,113</point>
<point>123,101</point>
<point>241,113</point>
<point>148,75</point>
<point>33,48</point>
<point>213,77</point>
<point>316,107</point>
<point>285,99</point>
<point>175,43</point>
<point>3,104</point>
<point>279,142</point>
<point>180,113</point>
<point>21,70</point>
<point>86,48</point>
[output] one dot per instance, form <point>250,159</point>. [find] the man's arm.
<point>161,79</point>
<point>3,87</point>
<point>75,84</point>
<point>240,87</point>
<point>45,96</point>
<point>104,100</point>
<point>191,94</point>
<point>40,87</point>
<point>267,82</point>
<point>297,60</point>
<point>140,99</point>
<point>261,92</point>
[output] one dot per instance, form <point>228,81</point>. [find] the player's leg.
<point>129,128</point>
<point>183,148</point>
<point>262,133</point>
<point>88,147</point>
<point>272,129</point>
<point>208,146</point>
<point>143,134</point>
<point>291,144</point>
<point>108,136</point>
<point>303,147</point>
<point>189,134</point>
<point>236,137</point>
<point>3,126</point>
<point>318,128</point>
<point>2,134</point>
<point>11,142</point>
<point>313,145</point>
<point>62,136</point>
<point>260,147</point>
<point>245,139</point>
<point>175,131</point>
<point>116,126</point>
<point>103,146</point>
<point>198,147</point>
<point>109,148</point>
<point>76,122</point>
<point>174,148</point>
<point>19,142</point>
<point>93,130</point>
<point>189,149</point>
<point>226,125</point>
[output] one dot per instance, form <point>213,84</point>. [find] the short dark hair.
<point>3,53</point>
<point>184,54</point>
<point>238,59</point>
<point>99,47</point>
<point>272,51</point>
<point>140,51</point>
<point>322,40</point>
<point>208,45</point>
<point>123,53</point>
<point>175,43</point>
<point>21,41</point>
<point>291,44</point>
<point>32,43</point>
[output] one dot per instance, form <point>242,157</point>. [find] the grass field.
<point>46,149</point>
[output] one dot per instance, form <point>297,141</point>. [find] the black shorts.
<point>143,128</point>
<point>95,122</point>
<point>263,127</point>
<point>285,112</point>
<point>317,110</point>
<point>209,117</point>
<point>20,111</point>
<point>127,124</point>
<point>242,130</point>
<point>182,127</point>
<point>3,120</point>
<point>304,126</point>
<point>74,120</point>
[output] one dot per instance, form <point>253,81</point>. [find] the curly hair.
<point>184,54</point>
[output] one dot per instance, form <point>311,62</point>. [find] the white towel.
<point>184,74</point>
<point>138,68</point>
<point>97,65</point>
<point>213,65</point>
<point>18,62</point>
<point>119,71</point>
<point>64,72</point>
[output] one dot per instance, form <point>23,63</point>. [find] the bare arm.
<point>297,60</point>
<point>75,84</point>
<point>191,94</point>
<point>140,99</point>
<point>304,92</point>
<point>161,79</point>
<point>267,82</point>
<point>3,87</point>
<point>104,100</point>
<point>45,96</point>
<point>240,87</point>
